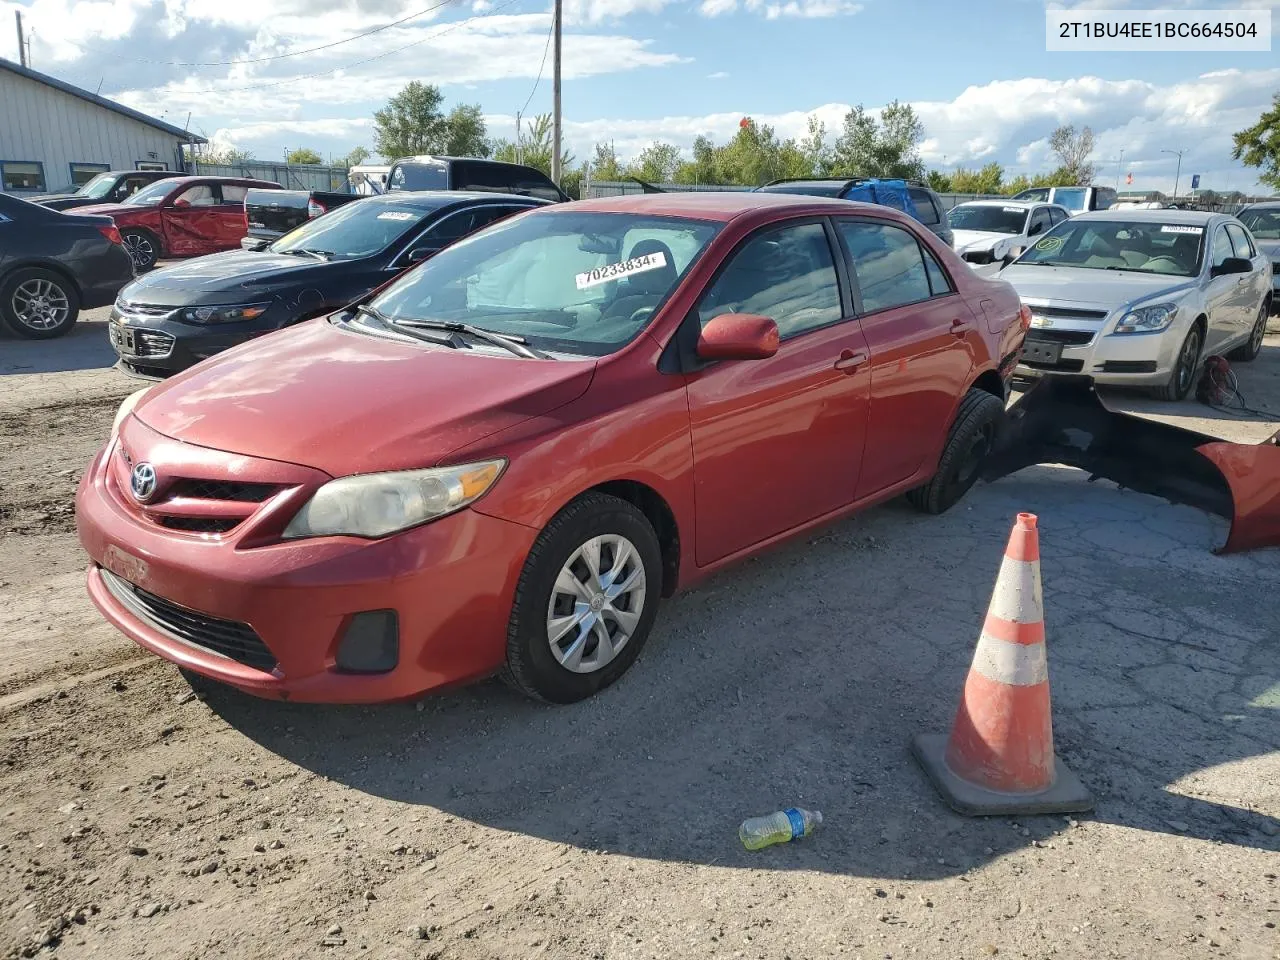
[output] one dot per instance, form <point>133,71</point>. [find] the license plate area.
<point>1041,351</point>
<point>124,339</point>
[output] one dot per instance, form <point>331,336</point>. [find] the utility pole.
<point>1119,164</point>
<point>22,44</point>
<point>519,146</point>
<point>555,93</point>
<point>1178,175</point>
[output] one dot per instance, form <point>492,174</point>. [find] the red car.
<point>181,217</point>
<point>507,456</point>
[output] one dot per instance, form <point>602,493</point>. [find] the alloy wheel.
<point>596,603</point>
<point>140,249</point>
<point>40,304</point>
<point>1259,330</point>
<point>1187,361</point>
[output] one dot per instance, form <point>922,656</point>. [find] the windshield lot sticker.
<point>1014,210</point>
<point>396,215</point>
<point>616,271</point>
<point>1179,228</point>
<point>1049,243</point>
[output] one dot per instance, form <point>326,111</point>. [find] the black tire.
<point>143,248</point>
<point>972,436</point>
<point>531,667</point>
<point>15,305</point>
<point>1183,376</point>
<point>1250,350</point>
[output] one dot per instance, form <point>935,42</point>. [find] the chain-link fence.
<point>291,176</point>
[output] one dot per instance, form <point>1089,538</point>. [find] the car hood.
<point>349,403</point>
<point>53,196</point>
<point>227,277</point>
<point>979,239</point>
<point>114,209</point>
<point>1269,247</point>
<point>1104,289</point>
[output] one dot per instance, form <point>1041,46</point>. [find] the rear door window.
<point>888,263</point>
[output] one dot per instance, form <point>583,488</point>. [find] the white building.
<point>55,136</point>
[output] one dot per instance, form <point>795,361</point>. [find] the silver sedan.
<point>1140,297</point>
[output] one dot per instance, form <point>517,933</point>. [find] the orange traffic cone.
<point>999,758</point>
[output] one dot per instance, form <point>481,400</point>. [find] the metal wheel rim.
<point>139,248</point>
<point>40,304</point>
<point>596,603</point>
<point>978,449</point>
<point>1187,362</point>
<point>1259,329</point>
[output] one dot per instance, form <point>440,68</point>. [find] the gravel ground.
<point>138,819</point>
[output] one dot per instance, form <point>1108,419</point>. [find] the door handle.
<point>850,361</point>
<point>958,326</point>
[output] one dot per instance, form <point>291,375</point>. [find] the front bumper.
<point>1075,347</point>
<point>153,344</point>
<point>267,616</point>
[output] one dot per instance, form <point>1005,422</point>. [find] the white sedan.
<point>986,230</point>
<point>1140,297</point>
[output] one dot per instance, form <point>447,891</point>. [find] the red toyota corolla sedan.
<point>182,217</point>
<point>503,459</point>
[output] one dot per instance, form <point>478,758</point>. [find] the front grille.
<point>142,310</point>
<point>979,257</point>
<point>200,524</point>
<point>1062,366</point>
<point>223,490</point>
<point>152,343</point>
<point>1073,338</point>
<point>1129,366</point>
<point>1068,313</point>
<point>227,638</point>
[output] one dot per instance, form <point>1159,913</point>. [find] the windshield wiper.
<point>321,255</point>
<point>391,325</point>
<point>517,345</point>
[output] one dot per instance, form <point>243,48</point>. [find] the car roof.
<point>1194,218</point>
<point>437,199</point>
<point>1020,204</point>
<point>721,205</point>
<point>1262,205</point>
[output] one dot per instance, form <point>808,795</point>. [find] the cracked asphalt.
<point>483,826</point>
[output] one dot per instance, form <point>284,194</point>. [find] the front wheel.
<point>585,602</point>
<point>1249,350</point>
<point>1184,369</point>
<point>143,248</point>
<point>972,437</point>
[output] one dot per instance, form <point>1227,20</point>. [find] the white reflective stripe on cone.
<point>1018,596</point>
<point>1017,664</point>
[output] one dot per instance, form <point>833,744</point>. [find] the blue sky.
<point>640,70</point>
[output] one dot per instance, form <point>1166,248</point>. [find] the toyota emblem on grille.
<point>142,481</point>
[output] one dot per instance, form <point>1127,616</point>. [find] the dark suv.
<point>910,196</point>
<point>115,186</point>
<point>471,173</point>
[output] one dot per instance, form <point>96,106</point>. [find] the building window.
<point>21,175</point>
<point>82,173</point>
<point>150,165</point>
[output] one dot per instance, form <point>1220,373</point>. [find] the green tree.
<point>888,147</point>
<point>1073,149</point>
<point>303,155</point>
<point>604,165</point>
<point>986,180</point>
<point>656,163</point>
<point>1259,146</point>
<point>704,167</point>
<point>357,156</point>
<point>816,150</point>
<point>411,123</point>
<point>465,132</point>
<point>1016,185</point>
<point>534,149</point>
<point>228,156</point>
<point>939,181</point>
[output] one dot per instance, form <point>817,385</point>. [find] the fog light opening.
<point>370,643</point>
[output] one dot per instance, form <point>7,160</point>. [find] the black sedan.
<point>114,186</point>
<point>168,320</point>
<point>53,264</point>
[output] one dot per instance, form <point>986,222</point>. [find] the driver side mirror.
<point>419,254</point>
<point>738,336</point>
<point>1012,254</point>
<point>1231,265</point>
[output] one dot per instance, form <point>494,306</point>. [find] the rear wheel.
<point>972,437</point>
<point>585,602</point>
<point>1250,350</point>
<point>144,249</point>
<point>1184,369</point>
<point>38,304</point>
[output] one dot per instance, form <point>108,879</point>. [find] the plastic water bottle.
<point>781,827</point>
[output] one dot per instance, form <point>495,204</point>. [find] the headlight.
<point>1147,319</point>
<point>228,314</point>
<point>126,408</point>
<point>376,504</point>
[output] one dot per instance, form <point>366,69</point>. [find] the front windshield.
<point>1263,224</point>
<point>1035,193</point>
<point>98,187</point>
<point>581,283</point>
<point>1145,247</point>
<point>991,219</point>
<point>1073,198</point>
<point>151,196</point>
<point>357,229</point>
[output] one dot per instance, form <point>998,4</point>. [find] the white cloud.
<point>790,8</point>
<point>598,11</point>
<point>718,75</point>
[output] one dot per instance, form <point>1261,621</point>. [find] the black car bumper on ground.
<point>151,343</point>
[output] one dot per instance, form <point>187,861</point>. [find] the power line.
<point>541,67</point>
<point>357,63</point>
<point>278,56</point>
